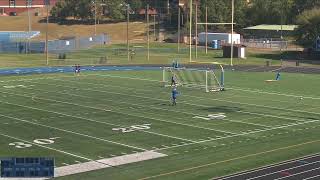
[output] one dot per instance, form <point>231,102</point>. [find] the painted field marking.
<point>72,132</point>
<point>63,102</point>
<point>241,134</point>
<point>151,80</point>
<point>50,148</point>
<point>184,102</point>
<point>107,163</point>
<point>190,96</point>
<point>230,160</point>
<point>159,108</point>
<point>87,119</point>
<point>215,99</point>
<point>148,106</point>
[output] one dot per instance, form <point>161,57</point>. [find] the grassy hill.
<point>117,31</point>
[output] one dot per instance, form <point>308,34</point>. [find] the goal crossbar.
<point>208,79</point>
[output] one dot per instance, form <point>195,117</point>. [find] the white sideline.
<point>233,102</point>
<point>90,107</point>
<point>106,163</point>
<point>121,102</point>
<point>39,145</point>
<point>214,99</point>
<point>185,102</point>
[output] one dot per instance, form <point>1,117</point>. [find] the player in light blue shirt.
<point>174,94</point>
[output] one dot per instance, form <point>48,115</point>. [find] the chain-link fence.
<point>54,46</point>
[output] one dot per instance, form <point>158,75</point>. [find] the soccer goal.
<point>211,80</point>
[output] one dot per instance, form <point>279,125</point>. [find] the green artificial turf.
<point>265,122</point>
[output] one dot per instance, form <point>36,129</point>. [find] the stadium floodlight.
<point>212,80</point>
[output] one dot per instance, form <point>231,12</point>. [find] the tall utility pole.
<point>47,29</point>
<point>190,31</point>
<point>179,26</point>
<point>29,15</point>
<point>128,19</point>
<point>232,21</point>
<point>95,17</point>
<point>154,26</point>
<point>196,35</point>
<point>206,29</point>
<point>29,5</point>
<point>148,32</point>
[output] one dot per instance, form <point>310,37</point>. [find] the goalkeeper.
<point>174,93</point>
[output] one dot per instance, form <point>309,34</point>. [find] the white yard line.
<point>118,112</point>
<point>183,102</point>
<point>72,132</point>
<point>45,147</point>
<point>101,122</point>
<point>152,80</point>
<point>213,99</point>
<point>121,102</point>
<point>241,134</point>
<point>259,91</point>
<point>273,93</point>
<point>197,142</point>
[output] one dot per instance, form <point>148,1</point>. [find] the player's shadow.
<point>225,109</point>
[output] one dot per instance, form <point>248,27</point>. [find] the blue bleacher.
<point>17,35</point>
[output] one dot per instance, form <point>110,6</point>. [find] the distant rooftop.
<point>268,27</point>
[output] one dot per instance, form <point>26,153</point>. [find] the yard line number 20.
<point>133,128</point>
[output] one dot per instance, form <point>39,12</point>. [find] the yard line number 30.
<point>22,145</point>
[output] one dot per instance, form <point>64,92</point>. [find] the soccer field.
<point>103,115</point>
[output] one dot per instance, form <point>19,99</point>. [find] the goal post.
<point>208,79</point>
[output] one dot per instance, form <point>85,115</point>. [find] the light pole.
<point>127,6</point>
<point>148,33</point>
<point>179,26</point>
<point>190,32</point>
<point>29,4</point>
<point>95,17</point>
<point>47,28</point>
<point>128,19</point>
<point>232,21</point>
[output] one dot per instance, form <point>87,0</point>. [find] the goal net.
<point>209,80</point>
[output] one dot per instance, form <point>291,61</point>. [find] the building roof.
<point>151,11</point>
<point>268,27</point>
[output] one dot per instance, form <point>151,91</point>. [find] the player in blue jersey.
<point>174,94</point>
<point>278,76</point>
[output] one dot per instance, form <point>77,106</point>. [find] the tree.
<point>308,30</point>
<point>84,9</point>
<point>270,12</point>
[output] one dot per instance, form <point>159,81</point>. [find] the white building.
<point>223,37</point>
